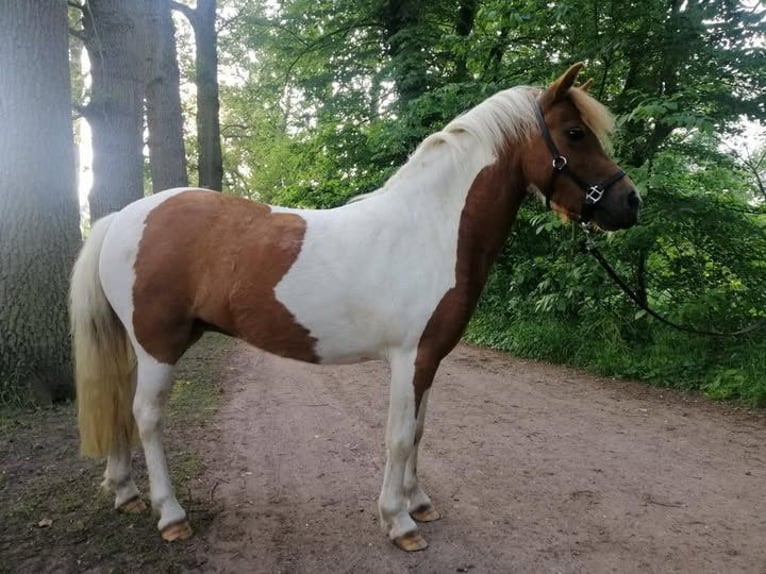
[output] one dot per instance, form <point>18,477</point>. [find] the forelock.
<point>595,115</point>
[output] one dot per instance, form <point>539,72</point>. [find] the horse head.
<point>566,161</point>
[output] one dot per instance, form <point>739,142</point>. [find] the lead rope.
<point>590,247</point>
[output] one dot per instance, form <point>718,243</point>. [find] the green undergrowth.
<point>724,369</point>
<point>51,498</point>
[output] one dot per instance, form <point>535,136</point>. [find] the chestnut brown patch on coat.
<point>207,261</point>
<point>491,206</point>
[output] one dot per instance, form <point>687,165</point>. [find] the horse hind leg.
<point>118,475</point>
<point>420,506</point>
<point>152,389</point>
<point>118,479</point>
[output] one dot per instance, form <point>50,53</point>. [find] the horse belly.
<point>344,335</point>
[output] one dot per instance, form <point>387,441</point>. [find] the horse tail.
<point>103,355</point>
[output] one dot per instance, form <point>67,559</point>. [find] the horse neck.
<point>491,205</point>
<point>468,205</point>
<point>434,187</point>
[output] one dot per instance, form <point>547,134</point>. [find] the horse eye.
<point>575,134</point>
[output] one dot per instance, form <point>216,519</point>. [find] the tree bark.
<point>463,25</point>
<point>167,156</point>
<point>208,124</point>
<point>39,217</point>
<point>114,38</point>
<point>202,20</point>
<point>403,23</point>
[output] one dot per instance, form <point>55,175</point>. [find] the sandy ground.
<point>535,468</point>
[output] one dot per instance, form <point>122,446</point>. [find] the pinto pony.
<point>394,276</point>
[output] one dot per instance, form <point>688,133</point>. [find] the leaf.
<point>45,523</point>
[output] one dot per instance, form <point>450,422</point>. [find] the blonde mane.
<point>506,117</point>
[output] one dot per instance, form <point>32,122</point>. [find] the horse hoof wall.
<point>411,542</point>
<point>132,506</point>
<point>425,514</point>
<point>178,531</point>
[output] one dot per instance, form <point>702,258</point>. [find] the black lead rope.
<point>590,246</point>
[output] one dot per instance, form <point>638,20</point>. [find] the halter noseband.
<point>593,192</point>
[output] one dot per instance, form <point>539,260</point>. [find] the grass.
<point>55,518</point>
<point>731,369</point>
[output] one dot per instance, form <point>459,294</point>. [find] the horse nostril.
<point>634,200</point>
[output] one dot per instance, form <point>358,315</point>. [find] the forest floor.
<point>535,468</point>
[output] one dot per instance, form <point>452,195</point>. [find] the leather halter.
<point>593,192</point>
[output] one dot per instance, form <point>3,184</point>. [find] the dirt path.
<point>535,469</point>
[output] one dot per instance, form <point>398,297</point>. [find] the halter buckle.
<point>593,194</point>
<point>559,162</point>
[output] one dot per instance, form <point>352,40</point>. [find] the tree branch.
<point>758,181</point>
<point>81,111</point>
<point>77,34</point>
<point>752,166</point>
<point>191,14</point>
<point>224,24</point>
<point>229,131</point>
<point>318,44</point>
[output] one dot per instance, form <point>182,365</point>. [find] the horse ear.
<point>586,86</point>
<point>557,91</point>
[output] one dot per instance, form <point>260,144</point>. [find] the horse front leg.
<point>420,506</point>
<point>401,431</point>
<point>152,389</point>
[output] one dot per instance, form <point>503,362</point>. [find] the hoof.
<point>411,542</point>
<point>177,531</point>
<point>132,506</point>
<point>425,514</point>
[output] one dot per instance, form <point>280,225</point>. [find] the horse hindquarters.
<point>112,404</point>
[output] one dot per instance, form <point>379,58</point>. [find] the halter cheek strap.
<point>593,192</point>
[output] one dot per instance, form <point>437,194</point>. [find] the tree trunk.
<point>466,15</point>
<point>164,119</point>
<point>208,124</point>
<point>202,20</point>
<point>403,23</point>
<point>114,38</point>
<point>39,218</point>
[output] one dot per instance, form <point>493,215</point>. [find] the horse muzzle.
<point>618,209</point>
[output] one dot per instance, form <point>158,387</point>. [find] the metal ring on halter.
<point>559,162</point>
